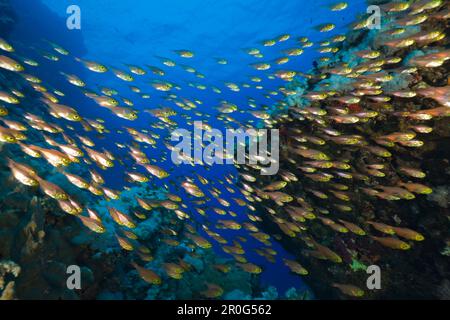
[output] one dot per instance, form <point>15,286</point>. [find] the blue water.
<point>117,33</point>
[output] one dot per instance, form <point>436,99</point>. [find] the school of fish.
<point>333,151</point>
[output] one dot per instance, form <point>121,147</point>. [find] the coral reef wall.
<point>335,176</point>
